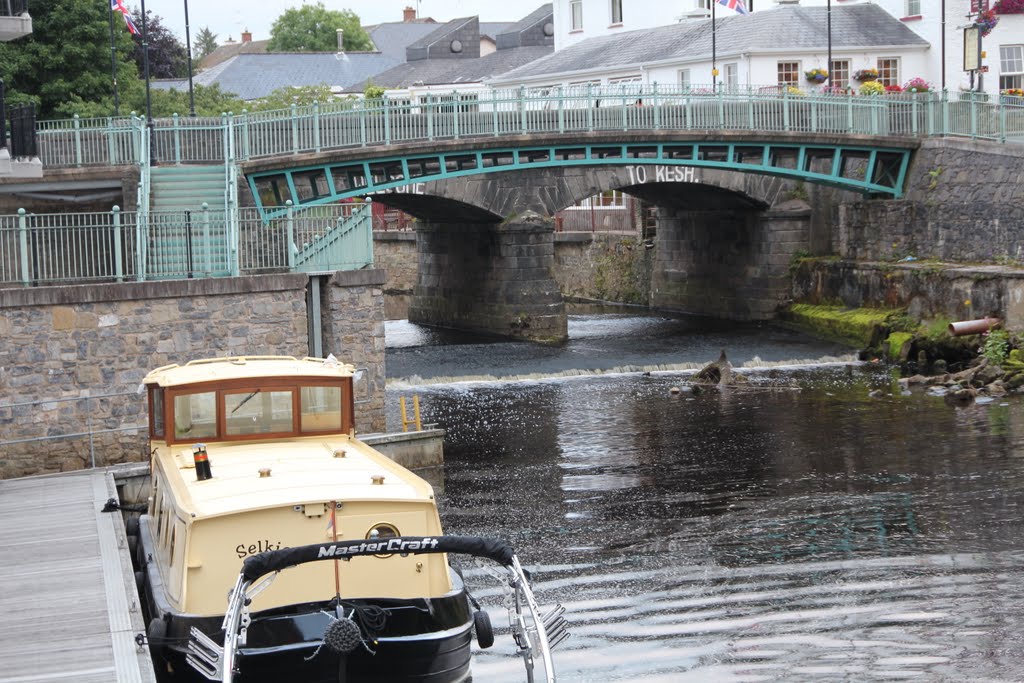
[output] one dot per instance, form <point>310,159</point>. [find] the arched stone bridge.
<point>485,241</point>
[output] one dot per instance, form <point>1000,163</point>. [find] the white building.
<point>757,58</point>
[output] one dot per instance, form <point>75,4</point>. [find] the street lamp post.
<point>188,47</point>
<point>828,63</point>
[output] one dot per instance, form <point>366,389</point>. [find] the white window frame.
<point>615,12</point>
<point>1011,66</point>
<point>794,72</point>
<point>895,78</point>
<point>575,15</point>
<point>913,8</point>
<point>731,75</point>
<point>841,77</point>
<point>683,78</point>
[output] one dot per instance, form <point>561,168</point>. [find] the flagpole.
<point>714,47</point>
<point>113,63</point>
<point>145,66</point>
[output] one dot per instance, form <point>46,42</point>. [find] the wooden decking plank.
<point>69,610</point>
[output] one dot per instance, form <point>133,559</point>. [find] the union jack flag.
<point>118,6</point>
<point>734,5</point>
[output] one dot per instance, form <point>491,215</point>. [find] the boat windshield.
<point>258,412</point>
<point>252,412</point>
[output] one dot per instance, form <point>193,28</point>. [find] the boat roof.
<point>247,367</point>
<point>301,471</point>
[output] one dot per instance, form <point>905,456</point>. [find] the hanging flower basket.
<point>865,75</point>
<point>817,75</point>
<point>986,21</point>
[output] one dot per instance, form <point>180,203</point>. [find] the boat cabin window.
<point>156,400</point>
<point>258,412</point>
<point>238,410</point>
<point>321,409</point>
<point>195,416</point>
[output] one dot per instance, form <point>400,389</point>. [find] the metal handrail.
<point>486,112</point>
<point>126,246</point>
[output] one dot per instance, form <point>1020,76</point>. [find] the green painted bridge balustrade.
<point>300,158</point>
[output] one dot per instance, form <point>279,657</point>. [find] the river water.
<point>814,524</point>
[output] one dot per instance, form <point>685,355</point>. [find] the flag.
<point>734,5</point>
<point>118,6</point>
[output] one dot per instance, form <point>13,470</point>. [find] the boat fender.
<point>342,636</point>
<point>156,634</point>
<point>484,631</point>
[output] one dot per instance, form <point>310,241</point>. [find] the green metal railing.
<point>120,246</point>
<point>496,113</point>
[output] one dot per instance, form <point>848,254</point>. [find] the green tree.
<point>168,58</point>
<point>282,98</point>
<point>210,101</point>
<point>66,57</point>
<point>313,28</point>
<point>205,43</point>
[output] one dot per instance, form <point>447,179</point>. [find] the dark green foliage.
<point>67,56</point>
<point>205,42</point>
<point>168,58</point>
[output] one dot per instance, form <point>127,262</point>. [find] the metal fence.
<point>497,113</point>
<point>116,246</point>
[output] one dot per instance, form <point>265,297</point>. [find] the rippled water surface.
<point>814,524</point>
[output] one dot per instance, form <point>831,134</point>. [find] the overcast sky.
<point>228,18</point>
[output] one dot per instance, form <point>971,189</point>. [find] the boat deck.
<point>69,609</point>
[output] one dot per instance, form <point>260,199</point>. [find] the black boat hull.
<point>422,640</point>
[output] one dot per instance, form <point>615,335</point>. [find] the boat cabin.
<point>267,397</point>
<point>250,454</point>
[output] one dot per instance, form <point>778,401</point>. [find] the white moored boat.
<point>254,459</point>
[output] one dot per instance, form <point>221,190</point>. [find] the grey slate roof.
<point>529,30</point>
<point>435,45</point>
<point>393,37</point>
<point>455,71</point>
<point>252,76</point>
<point>784,27</point>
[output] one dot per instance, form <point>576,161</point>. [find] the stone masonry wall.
<point>928,292</point>
<point>62,344</point>
<point>489,278</point>
<point>603,266</point>
<point>964,203</point>
<point>395,253</point>
<point>726,263</point>
<point>353,330</point>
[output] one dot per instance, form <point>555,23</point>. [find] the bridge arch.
<point>864,164</point>
<point>485,240</point>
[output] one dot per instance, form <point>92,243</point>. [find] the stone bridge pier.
<point>494,278</point>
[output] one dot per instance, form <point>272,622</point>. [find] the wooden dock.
<point>69,609</point>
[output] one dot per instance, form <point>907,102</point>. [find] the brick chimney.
<point>408,15</point>
<point>246,37</point>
